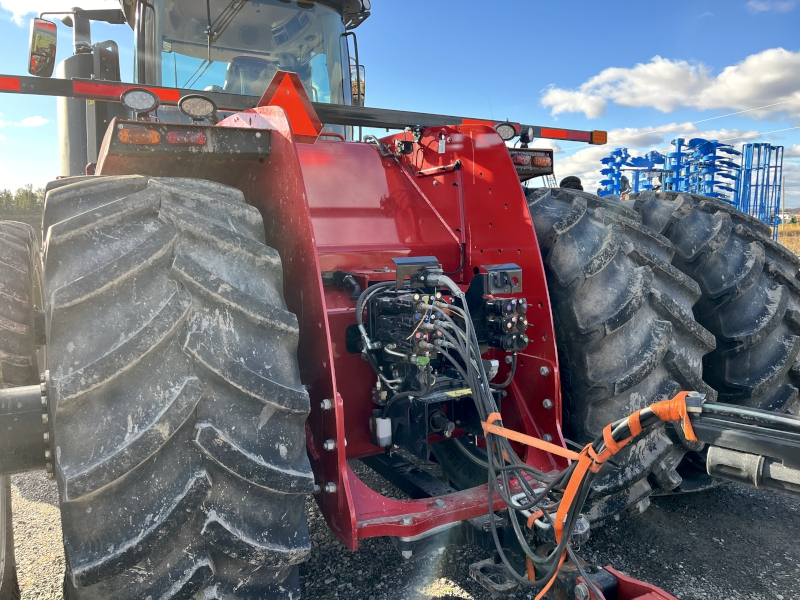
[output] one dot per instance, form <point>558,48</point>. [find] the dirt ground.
<point>729,543</point>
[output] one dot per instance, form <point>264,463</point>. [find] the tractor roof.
<point>354,12</point>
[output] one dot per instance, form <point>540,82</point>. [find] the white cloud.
<point>20,9</point>
<point>35,121</point>
<point>792,151</point>
<point>765,78</point>
<point>552,144</point>
<point>758,6</point>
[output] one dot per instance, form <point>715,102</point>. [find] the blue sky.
<point>627,67</point>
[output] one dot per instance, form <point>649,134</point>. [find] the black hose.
<point>507,382</point>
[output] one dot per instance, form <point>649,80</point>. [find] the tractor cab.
<point>237,46</point>
<point>220,46</point>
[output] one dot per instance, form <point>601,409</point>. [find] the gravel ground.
<point>729,543</point>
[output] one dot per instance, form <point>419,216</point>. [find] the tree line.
<point>25,200</point>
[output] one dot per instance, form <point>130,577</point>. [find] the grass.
<point>789,236</point>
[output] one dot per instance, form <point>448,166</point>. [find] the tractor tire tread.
<point>750,295</point>
<point>176,399</point>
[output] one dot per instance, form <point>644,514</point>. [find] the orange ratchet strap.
<point>589,460</point>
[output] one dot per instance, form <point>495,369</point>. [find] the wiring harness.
<point>534,499</point>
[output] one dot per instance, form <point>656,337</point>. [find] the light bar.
<point>327,113</point>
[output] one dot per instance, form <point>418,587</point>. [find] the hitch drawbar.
<point>25,439</point>
<point>750,446</point>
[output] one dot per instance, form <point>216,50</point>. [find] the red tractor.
<point>235,298</point>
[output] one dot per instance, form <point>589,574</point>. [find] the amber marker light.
<point>138,136</point>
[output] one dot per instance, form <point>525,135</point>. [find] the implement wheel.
<point>177,409</point>
<point>751,295</point>
<point>19,287</point>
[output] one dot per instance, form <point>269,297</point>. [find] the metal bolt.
<point>47,454</point>
<point>407,554</point>
<point>439,503</point>
<point>329,445</point>
<point>326,404</point>
<point>46,436</point>
<point>582,592</point>
<point>547,403</point>
<point>694,394</point>
<point>544,371</point>
<point>330,487</point>
<point>643,504</point>
<point>42,378</point>
<point>51,476</point>
<point>509,359</point>
<point>317,489</point>
<point>44,401</point>
<point>407,520</point>
<point>43,388</point>
<point>49,467</point>
<point>44,419</point>
<point>547,437</point>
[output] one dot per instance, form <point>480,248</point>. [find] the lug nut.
<point>329,445</point>
<point>547,437</point>
<point>439,503</point>
<point>547,403</point>
<point>330,487</point>
<point>44,419</point>
<point>544,371</point>
<point>317,489</point>
<point>47,454</point>
<point>326,404</point>
<point>46,436</point>
<point>44,401</point>
<point>407,520</point>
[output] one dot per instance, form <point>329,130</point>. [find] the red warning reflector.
<point>287,91</point>
<point>114,91</point>
<point>9,84</point>
<point>186,138</point>
<point>554,134</point>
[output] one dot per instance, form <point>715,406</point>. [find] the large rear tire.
<point>626,338</point>
<point>19,268</point>
<point>751,295</point>
<point>626,334</point>
<point>176,406</point>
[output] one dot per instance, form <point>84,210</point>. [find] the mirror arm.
<point>81,34</point>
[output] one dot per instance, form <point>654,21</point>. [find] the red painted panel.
<point>334,205</point>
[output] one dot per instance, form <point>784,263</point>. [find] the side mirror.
<point>357,84</point>
<point>42,56</point>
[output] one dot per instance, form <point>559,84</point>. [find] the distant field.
<point>789,236</point>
